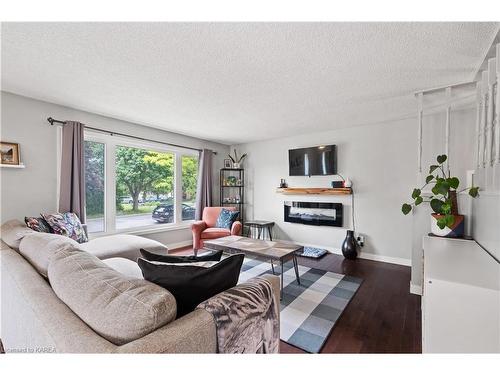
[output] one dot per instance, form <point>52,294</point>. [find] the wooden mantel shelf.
<point>317,191</point>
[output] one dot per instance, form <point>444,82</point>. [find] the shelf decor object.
<point>445,219</point>
<point>10,155</point>
<point>316,191</point>
<point>232,189</point>
<point>350,246</point>
<point>236,160</point>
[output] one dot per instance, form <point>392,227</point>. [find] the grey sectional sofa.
<point>60,297</point>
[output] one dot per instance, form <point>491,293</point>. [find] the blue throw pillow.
<point>226,218</point>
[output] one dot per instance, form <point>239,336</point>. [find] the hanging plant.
<point>445,221</point>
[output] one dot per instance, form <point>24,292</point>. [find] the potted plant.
<point>445,221</point>
<point>237,161</point>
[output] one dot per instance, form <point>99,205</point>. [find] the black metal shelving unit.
<point>229,193</point>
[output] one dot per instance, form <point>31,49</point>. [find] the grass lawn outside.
<point>99,215</point>
<point>144,208</point>
<point>127,210</point>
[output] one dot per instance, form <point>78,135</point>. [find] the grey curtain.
<point>204,187</point>
<point>72,189</point>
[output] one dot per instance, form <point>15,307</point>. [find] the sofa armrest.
<point>193,333</point>
<point>198,226</point>
<point>236,228</point>
<point>276,284</point>
<point>246,317</point>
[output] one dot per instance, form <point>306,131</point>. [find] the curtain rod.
<point>53,121</point>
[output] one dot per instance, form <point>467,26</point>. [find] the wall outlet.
<point>360,240</point>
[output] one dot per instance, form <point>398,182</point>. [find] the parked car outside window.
<point>164,213</point>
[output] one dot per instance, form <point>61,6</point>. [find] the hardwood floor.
<point>383,317</point>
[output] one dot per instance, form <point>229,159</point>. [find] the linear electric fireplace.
<point>314,213</point>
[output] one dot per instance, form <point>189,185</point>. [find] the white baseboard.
<point>176,245</point>
<point>363,255</point>
<point>415,289</point>
<point>385,259</point>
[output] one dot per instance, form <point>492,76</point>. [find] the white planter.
<point>236,165</point>
<point>456,230</point>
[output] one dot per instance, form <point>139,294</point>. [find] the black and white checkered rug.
<point>308,311</point>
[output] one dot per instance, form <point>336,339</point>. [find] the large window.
<point>143,184</point>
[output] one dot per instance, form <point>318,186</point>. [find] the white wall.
<point>29,191</point>
<point>379,159</point>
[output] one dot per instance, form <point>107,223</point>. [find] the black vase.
<point>350,246</point>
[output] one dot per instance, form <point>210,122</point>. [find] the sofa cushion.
<point>193,283</point>
<point>125,266</point>
<point>119,308</point>
<point>38,248</point>
<point>211,233</point>
<point>122,246</point>
<point>13,231</point>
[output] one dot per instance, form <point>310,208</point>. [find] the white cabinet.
<point>461,298</point>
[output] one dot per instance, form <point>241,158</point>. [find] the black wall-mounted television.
<point>313,161</point>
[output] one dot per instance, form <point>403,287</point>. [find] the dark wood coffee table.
<point>280,251</point>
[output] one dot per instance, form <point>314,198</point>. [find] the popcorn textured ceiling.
<point>240,82</point>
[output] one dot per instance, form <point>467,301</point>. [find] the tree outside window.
<point>94,184</point>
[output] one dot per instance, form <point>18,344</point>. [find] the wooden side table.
<point>261,226</point>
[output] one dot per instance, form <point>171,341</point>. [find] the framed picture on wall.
<point>9,153</point>
<point>228,163</point>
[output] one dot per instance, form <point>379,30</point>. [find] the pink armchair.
<point>205,228</point>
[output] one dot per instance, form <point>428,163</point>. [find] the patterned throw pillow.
<point>66,224</point>
<point>226,218</point>
<point>57,224</point>
<point>38,224</point>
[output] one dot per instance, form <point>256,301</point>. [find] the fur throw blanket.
<point>246,318</point>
